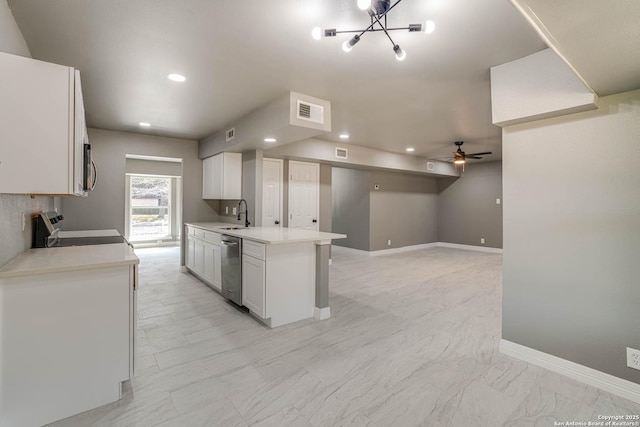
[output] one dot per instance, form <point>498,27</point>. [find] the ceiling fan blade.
<point>473,157</point>
<point>480,154</point>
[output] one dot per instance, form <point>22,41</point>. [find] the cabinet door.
<point>36,126</point>
<point>191,253</point>
<point>207,272</point>
<point>212,177</point>
<point>253,285</point>
<point>231,176</point>
<point>217,268</point>
<point>198,263</point>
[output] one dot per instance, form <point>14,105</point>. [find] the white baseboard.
<point>423,246</point>
<point>183,269</point>
<point>403,249</point>
<point>470,247</point>
<point>618,386</point>
<point>321,313</point>
<point>355,251</point>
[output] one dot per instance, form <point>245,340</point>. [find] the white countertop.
<point>87,233</point>
<point>52,260</point>
<point>269,235</point>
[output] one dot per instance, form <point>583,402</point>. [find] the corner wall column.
<point>322,311</point>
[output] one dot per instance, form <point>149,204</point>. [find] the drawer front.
<point>254,249</point>
<point>198,234</point>
<point>211,237</point>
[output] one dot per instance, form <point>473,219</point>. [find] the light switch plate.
<point>497,201</point>
<point>235,211</point>
<point>226,210</point>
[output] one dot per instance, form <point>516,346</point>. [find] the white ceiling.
<point>239,55</point>
<point>599,39</point>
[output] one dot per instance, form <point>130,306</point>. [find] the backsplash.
<point>221,206</point>
<point>14,241</point>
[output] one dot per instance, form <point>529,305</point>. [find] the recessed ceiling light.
<point>410,149</point>
<point>176,77</point>
<point>429,27</point>
<point>269,140</point>
<point>344,136</point>
<point>144,124</point>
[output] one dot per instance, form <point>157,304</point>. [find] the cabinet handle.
<point>277,222</point>
<point>314,220</point>
<point>228,243</point>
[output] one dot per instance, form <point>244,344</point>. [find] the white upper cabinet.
<point>42,128</point>
<point>222,177</point>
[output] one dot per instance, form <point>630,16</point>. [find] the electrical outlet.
<point>482,240</point>
<point>633,358</point>
<point>235,212</point>
<point>23,220</point>
<point>388,242</point>
<point>226,210</point>
<point>497,201</point>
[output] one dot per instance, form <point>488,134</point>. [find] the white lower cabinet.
<point>217,268</point>
<point>191,253</point>
<point>203,256</point>
<point>253,285</point>
<point>68,342</point>
<point>278,281</point>
<point>199,258</point>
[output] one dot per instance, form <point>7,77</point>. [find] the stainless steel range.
<point>48,233</point>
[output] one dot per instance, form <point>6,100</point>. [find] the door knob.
<point>314,220</point>
<point>277,222</point>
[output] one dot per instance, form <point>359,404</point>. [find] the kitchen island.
<point>285,271</point>
<point>67,335</point>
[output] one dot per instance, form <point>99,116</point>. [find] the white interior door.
<point>303,195</point>
<point>272,193</point>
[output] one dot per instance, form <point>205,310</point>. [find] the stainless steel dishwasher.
<point>232,268</point>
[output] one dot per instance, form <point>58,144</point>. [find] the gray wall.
<point>105,206</point>
<point>326,212</point>
<point>14,241</point>
<point>404,210</point>
<point>252,185</point>
<point>467,208</point>
<point>572,235</point>
<point>350,207</point>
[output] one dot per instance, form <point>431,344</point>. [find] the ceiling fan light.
<point>429,27</point>
<point>415,28</point>
<point>364,4</point>
<point>316,33</point>
<point>400,54</point>
<point>459,162</point>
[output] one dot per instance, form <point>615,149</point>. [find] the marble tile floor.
<point>412,341</point>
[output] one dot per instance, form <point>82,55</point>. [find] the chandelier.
<point>378,11</point>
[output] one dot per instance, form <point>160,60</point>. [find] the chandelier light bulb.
<point>364,4</point>
<point>348,45</point>
<point>429,27</point>
<point>316,33</point>
<point>400,54</point>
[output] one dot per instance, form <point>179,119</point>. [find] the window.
<point>150,208</point>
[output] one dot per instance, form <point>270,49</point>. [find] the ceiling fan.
<point>460,157</point>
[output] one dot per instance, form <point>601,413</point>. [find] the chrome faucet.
<point>246,212</point>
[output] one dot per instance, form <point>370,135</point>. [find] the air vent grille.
<point>304,111</point>
<point>431,167</point>
<point>310,112</point>
<point>342,153</point>
<point>231,133</point>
